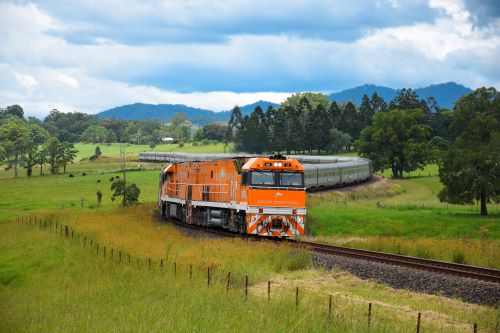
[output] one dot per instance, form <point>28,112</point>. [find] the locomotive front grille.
<point>276,224</point>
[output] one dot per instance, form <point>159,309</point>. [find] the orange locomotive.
<point>259,196</point>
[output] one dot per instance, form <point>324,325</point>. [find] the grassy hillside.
<point>50,283</point>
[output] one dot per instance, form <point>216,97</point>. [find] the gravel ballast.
<point>468,290</point>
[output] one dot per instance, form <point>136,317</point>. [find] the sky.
<point>89,56</point>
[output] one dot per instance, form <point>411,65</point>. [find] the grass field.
<point>87,292</point>
<point>400,216</point>
<point>69,288</point>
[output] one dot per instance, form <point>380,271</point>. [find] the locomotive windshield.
<point>291,179</point>
<point>263,178</point>
<point>278,179</point>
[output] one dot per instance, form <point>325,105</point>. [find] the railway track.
<point>466,271</point>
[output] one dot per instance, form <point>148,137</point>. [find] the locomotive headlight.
<point>277,164</point>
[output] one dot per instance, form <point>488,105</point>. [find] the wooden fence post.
<point>330,305</point>
<point>418,322</point>
<point>97,248</point>
<point>296,296</point>
<point>149,263</point>
<point>369,314</point>
<point>475,327</point>
<point>119,256</point>
<point>175,269</point>
<point>190,272</point>
<point>246,287</point>
<point>208,276</point>
<point>104,252</point>
<point>161,263</point>
<point>228,280</point>
<point>268,291</point>
<point>66,230</point>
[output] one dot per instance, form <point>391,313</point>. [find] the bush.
<point>458,257</point>
<point>98,181</point>
<point>84,174</point>
<point>181,144</point>
<point>71,175</point>
<point>111,179</point>
<point>195,144</point>
<point>205,142</point>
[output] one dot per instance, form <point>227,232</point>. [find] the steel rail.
<point>436,266</point>
<point>467,271</point>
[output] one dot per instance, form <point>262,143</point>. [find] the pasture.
<point>75,288</point>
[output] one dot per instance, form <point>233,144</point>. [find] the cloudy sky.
<point>92,55</point>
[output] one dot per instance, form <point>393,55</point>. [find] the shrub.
<point>458,257</point>
<point>84,174</point>
<point>71,175</point>
<point>195,144</point>
<point>181,144</point>
<point>111,179</point>
<point>98,181</point>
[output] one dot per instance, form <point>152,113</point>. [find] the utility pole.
<point>122,165</point>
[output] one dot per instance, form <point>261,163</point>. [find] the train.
<point>320,172</point>
<point>264,196</point>
<point>255,195</point>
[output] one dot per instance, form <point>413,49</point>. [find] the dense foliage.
<point>470,168</point>
<point>309,122</point>
<point>25,143</point>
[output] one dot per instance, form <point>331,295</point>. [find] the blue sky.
<point>92,55</point>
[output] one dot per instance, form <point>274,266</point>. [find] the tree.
<point>110,136</point>
<point>36,136</point>
<point>53,154</point>
<point>234,123</point>
<point>97,152</point>
<point>41,157</point>
<point>94,134</point>
<point>14,110</point>
<point>67,154</point>
<point>129,192</point>
<point>365,112</point>
<point>14,137</point>
<point>470,169</point>
<point>335,114</point>
<point>339,140</point>
<point>398,140</point>
<point>377,103</point>
<point>349,122</point>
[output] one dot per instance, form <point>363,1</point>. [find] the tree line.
<point>403,135</point>
<point>24,143</point>
<point>81,127</point>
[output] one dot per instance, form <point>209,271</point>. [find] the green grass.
<point>49,283</point>
<point>404,216</point>
<point>86,150</point>
<point>60,192</point>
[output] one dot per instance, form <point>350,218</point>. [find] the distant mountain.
<point>161,112</point>
<point>445,93</point>
<point>247,109</point>
<point>165,112</point>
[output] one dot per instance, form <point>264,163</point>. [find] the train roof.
<point>330,161</point>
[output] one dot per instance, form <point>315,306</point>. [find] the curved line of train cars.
<point>257,195</point>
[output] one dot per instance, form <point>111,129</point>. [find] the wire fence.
<point>332,302</point>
